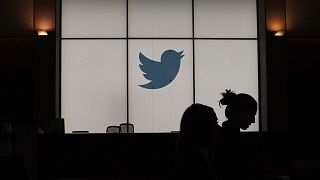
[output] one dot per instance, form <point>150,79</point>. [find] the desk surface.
<point>135,155</point>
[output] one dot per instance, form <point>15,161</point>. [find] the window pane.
<point>93,84</point>
<point>93,18</point>
<point>159,110</point>
<point>220,65</point>
<point>165,18</point>
<point>225,18</point>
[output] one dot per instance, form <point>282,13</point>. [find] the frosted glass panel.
<point>159,110</point>
<point>93,18</point>
<point>224,65</point>
<point>225,18</point>
<point>165,18</point>
<point>93,84</point>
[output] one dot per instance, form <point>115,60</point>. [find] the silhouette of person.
<point>199,133</point>
<point>240,112</point>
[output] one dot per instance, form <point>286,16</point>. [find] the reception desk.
<point>106,155</point>
<point>141,155</point>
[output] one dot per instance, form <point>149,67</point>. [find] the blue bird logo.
<point>160,73</point>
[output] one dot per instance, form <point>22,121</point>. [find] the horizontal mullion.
<point>91,38</point>
<point>164,38</point>
<point>197,38</point>
<point>226,38</point>
<point>189,38</point>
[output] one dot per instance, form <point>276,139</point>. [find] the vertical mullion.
<point>127,36</point>
<point>193,56</point>
<point>259,63</point>
<point>58,65</point>
<point>262,75</point>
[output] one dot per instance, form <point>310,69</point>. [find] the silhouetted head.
<point>198,126</point>
<point>240,108</point>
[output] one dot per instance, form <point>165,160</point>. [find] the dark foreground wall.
<point>147,156</point>
<point>106,155</point>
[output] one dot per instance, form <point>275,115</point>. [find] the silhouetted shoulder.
<point>199,135</point>
<point>194,164</point>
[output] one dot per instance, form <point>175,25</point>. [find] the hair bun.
<point>228,97</point>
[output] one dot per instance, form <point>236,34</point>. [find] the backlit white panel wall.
<point>229,64</point>
<point>165,18</point>
<point>225,18</point>
<point>93,84</point>
<point>93,18</point>
<point>94,71</point>
<point>159,110</point>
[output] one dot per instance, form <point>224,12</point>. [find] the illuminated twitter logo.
<point>160,73</point>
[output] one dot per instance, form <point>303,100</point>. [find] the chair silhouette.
<point>126,128</point>
<point>113,129</point>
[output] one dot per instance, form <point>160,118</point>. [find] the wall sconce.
<point>279,33</point>
<point>44,17</point>
<point>42,33</point>
<point>276,17</point>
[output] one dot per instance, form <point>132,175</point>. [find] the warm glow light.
<point>276,17</point>
<point>279,33</point>
<point>42,33</point>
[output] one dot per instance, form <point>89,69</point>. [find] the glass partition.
<point>224,65</point>
<point>159,110</point>
<point>145,61</point>
<point>93,84</point>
